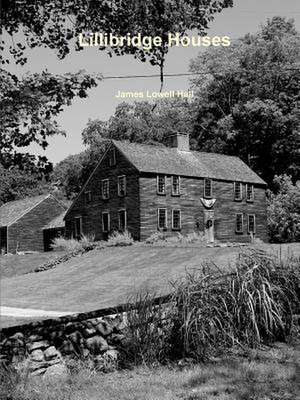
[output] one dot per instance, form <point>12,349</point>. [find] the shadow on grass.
<point>270,375</point>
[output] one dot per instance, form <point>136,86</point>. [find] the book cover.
<point>149,199</point>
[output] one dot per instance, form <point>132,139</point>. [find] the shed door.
<point>3,240</point>
<point>209,225</point>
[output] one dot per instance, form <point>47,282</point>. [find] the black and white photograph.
<point>149,200</point>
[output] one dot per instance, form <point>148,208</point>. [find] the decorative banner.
<point>208,203</point>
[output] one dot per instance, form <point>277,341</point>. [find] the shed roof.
<point>167,160</point>
<point>57,222</point>
<point>13,210</point>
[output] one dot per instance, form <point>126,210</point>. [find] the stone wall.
<point>44,347</point>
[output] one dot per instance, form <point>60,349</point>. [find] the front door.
<point>209,225</point>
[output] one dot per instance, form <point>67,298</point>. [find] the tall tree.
<point>248,104</point>
<point>139,122</point>
<point>29,106</point>
<point>28,110</point>
<point>55,24</point>
<point>16,184</point>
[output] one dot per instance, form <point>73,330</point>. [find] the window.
<point>239,223</point>
<point>162,218</point>
<point>176,219</point>
<point>121,186</point>
<point>161,184</point>
<point>112,158</point>
<point>105,221</point>
<point>78,227</point>
<point>105,188</point>
<point>175,185</point>
<point>251,223</point>
<point>237,191</point>
<point>87,197</point>
<point>122,220</point>
<point>207,188</point>
<point>249,192</point>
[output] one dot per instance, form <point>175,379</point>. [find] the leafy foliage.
<point>29,107</point>
<point>248,106</point>
<point>139,122</point>
<point>284,210</point>
<point>74,246</point>
<point>16,184</point>
<point>57,24</point>
<point>120,239</point>
<point>70,174</point>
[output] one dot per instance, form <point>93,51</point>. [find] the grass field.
<point>13,265</point>
<point>107,277</point>
<point>272,374</point>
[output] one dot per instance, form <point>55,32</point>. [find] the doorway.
<point>3,240</point>
<point>209,229</point>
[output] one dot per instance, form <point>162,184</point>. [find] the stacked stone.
<point>45,349</point>
<point>12,349</point>
<point>44,358</point>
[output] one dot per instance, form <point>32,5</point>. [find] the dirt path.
<point>30,312</point>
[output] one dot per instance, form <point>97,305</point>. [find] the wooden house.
<point>22,222</point>
<point>147,188</point>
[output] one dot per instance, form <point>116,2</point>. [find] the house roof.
<point>167,160</point>
<point>57,222</point>
<point>13,210</point>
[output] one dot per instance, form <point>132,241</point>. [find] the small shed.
<point>55,228</point>
<point>22,222</point>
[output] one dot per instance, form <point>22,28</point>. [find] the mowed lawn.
<point>12,265</point>
<point>108,277</point>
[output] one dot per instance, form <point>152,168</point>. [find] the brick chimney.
<point>179,140</point>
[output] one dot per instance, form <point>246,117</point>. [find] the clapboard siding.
<point>142,201</point>
<point>91,213</point>
<point>191,207</point>
<point>27,232</point>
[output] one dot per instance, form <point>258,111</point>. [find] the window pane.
<point>105,189</point>
<point>175,185</point>
<point>161,184</point>
<point>162,220</point>
<point>251,223</point>
<point>237,191</point>
<point>249,192</point>
<point>207,188</point>
<point>239,223</point>
<point>176,223</point>
<point>122,185</point>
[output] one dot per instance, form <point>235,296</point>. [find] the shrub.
<point>156,237</point>
<point>251,305</point>
<point>86,243</point>
<point>120,239</point>
<point>284,211</point>
<point>192,237</point>
<point>159,238</point>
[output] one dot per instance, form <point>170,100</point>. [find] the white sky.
<point>246,16</point>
